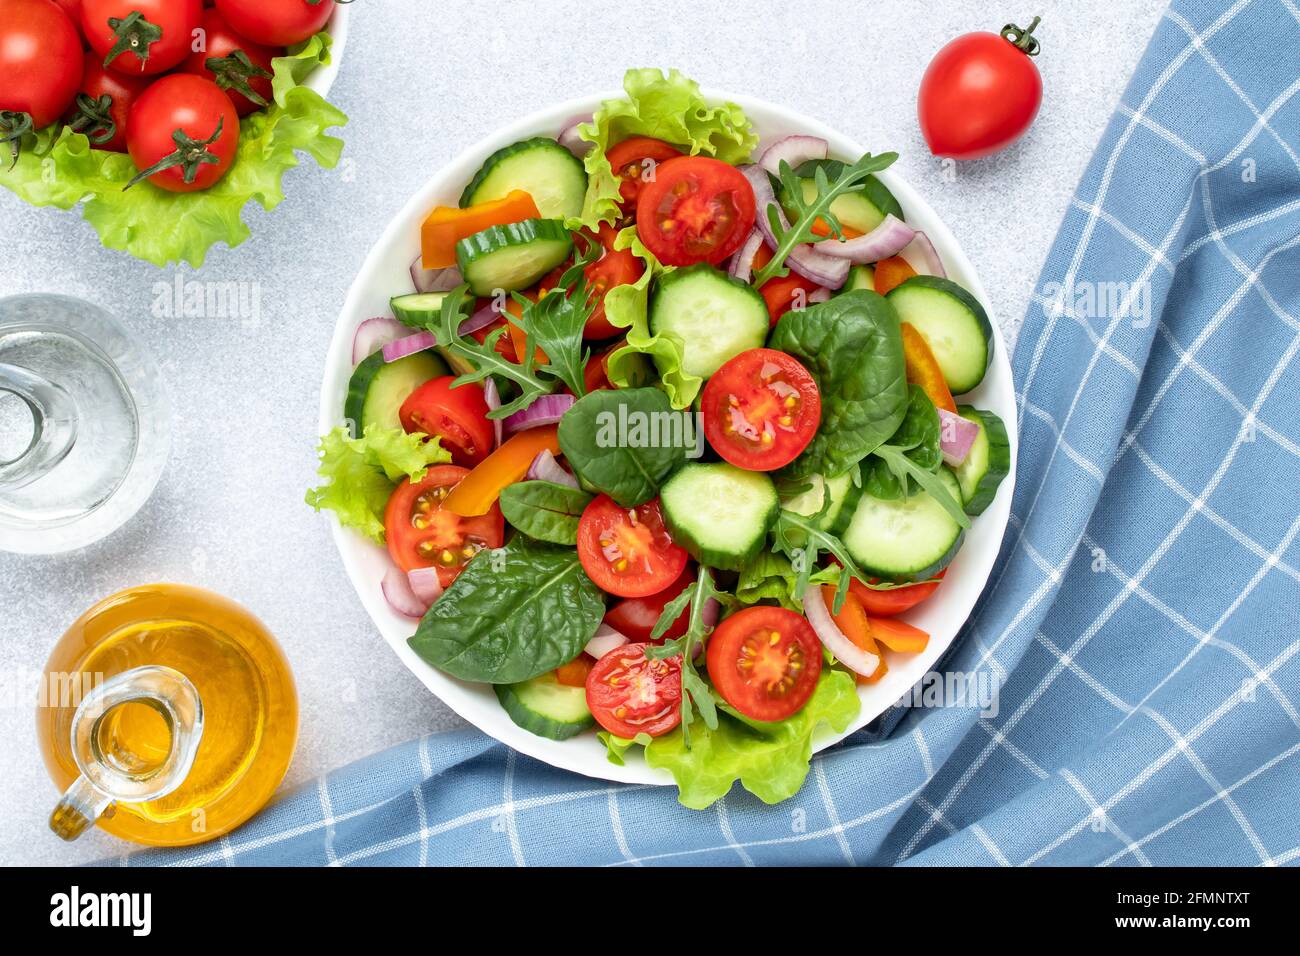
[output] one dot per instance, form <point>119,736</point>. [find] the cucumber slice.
<point>908,539</point>
<point>864,209</point>
<point>844,495</point>
<point>545,707</point>
<point>541,167</point>
<point>419,310</point>
<point>860,277</point>
<point>987,462</point>
<point>715,316</point>
<point>378,388</point>
<point>719,513</point>
<point>954,324</point>
<point>513,256</point>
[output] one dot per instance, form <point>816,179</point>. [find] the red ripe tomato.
<point>635,163</point>
<point>635,618</point>
<point>627,551</point>
<point>980,93</point>
<point>40,64</point>
<point>277,22</point>
<point>247,79</point>
<point>630,694</point>
<point>761,408</point>
<point>765,662</point>
<point>457,415</point>
<point>102,114</point>
<point>141,36</point>
<point>73,9</point>
<point>614,267</point>
<point>422,534</point>
<point>892,601</point>
<point>696,209</point>
<point>204,117</point>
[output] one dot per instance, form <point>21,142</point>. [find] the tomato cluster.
<point>162,80</point>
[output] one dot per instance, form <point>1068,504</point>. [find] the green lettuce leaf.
<point>361,473</point>
<point>60,168</point>
<point>670,108</point>
<point>771,577</point>
<point>770,760</point>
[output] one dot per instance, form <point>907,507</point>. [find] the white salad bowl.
<point>385,274</point>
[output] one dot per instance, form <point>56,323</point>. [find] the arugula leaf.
<point>917,438</point>
<point>361,473</point>
<point>59,167</point>
<point>853,348</point>
<point>615,441</point>
<point>511,615</point>
<point>554,323</point>
<point>544,510</point>
<point>852,178</point>
<point>928,480</point>
<point>694,689</point>
<point>485,358</point>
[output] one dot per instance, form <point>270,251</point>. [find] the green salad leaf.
<point>59,167</point>
<point>853,348</point>
<point>361,473</point>
<point>670,108</point>
<point>771,576</point>
<point>512,614</point>
<point>544,510</point>
<point>917,439</point>
<point>771,760</point>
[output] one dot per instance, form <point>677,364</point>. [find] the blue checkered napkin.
<point>1143,617</point>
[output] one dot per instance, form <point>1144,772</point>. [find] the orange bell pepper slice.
<point>923,369</point>
<point>574,673</point>
<point>892,272</point>
<point>479,490</point>
<point>898,635</point>
<point>447,225</point>
<point>821,227</point>
<point>855,625</point>
<point>518,338</point>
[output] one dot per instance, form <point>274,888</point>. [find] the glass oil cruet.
<point>167,716</point>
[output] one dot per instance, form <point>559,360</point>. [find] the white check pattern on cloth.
<point>1143,620</point>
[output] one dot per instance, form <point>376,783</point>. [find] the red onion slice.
<point>742,263</point>
<point>570,139</point>
<point>546,468</point>
<point>400,597</point>
<point>709,616</point>
<point>409,345</point>
<point>605,640</point>
<point>543,411</point>
<point>374,334</point>
<point>956,436</point>
<point>819,295</point>
<point>795,150</point>
<point>922,251</point>
<point>425,585</point>
<point>434,280</point>
<point>887,239</point>
<point>803,259</point>
<point>492,395</point>
<point>845,651</point>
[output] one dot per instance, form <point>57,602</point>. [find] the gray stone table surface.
<point>421,81</point>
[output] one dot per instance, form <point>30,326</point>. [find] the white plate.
<point>322,78</point>
<point>385,273</point>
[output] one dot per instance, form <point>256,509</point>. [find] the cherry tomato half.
<point>765,661</point>
<point>635,618</point>
<point>422,534</point>
<point>277,22</point>
<point>892,601</point>
<point>147,36</point>
<point>40,61</point>
<point>697,209</point>
<point>457,415</point>
<point>630,694</point>
<point>104,121</point>
<point>627,551</point>
<point>761,408</point>
<point>198,110</point>
<point>614,267</point>
<point>979,94</point>
<point>635,162</point>
<point>231,73</point>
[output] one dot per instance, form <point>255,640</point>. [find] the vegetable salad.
<point>667,436</point>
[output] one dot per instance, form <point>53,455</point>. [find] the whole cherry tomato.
<point>40,65</point>
<point>277,22</point>
<point>103,104</point>
<point>182,133</point>
<point>141,36</point>
<point>240,66</point>
<point>980,93</point>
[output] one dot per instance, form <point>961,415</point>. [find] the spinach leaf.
<point>544,510</point>
<point>917,438</point>
<point>853,348</point>
<point>513,613</point>
<point>625,442</point>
